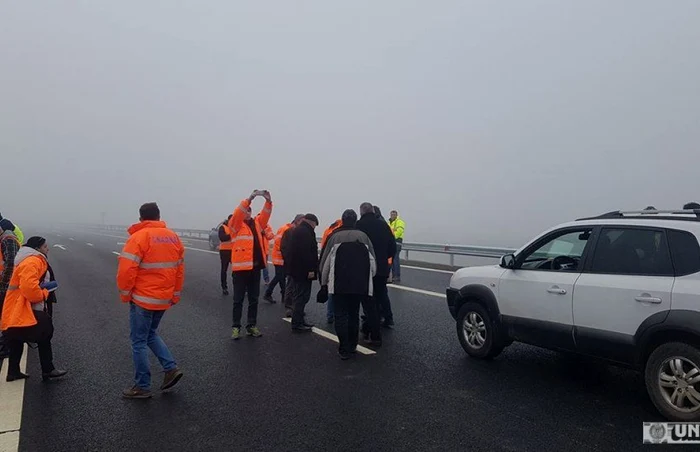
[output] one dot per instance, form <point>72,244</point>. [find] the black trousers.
<point>225,256</point>
<point>381,294</point>
<point>246,282</point>
<point>371,324</point>
<point>280,278</point>
<point>347,320</point>
<point>40,334</point>
<point>288,298</point>
<point>300,293</point>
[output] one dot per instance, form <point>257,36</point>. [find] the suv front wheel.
<point>478,333</point>
<point>672,378</point>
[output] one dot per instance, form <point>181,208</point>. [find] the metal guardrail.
<point>406,248</point>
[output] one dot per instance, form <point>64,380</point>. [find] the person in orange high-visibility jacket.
<point>225,248</point>
<point>278,261</point>
<point>150,277</point>
<point>330,306</point>
<point>24,317</point>
<point>248,258</point>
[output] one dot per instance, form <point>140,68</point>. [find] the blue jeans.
<point>330,308</point>
<point>144,324</point>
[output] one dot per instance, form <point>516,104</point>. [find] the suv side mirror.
<point>508,261</point>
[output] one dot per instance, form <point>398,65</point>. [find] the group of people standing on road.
<point>27,296</point>
<point>357,259</point>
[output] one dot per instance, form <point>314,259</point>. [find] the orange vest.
<point>277,258</point>
<point>336,224</point>
<point>151,266</point>
<point>23,291</point>
<point>229,244</point>
<point>242,237</point>
<point>2,258</point>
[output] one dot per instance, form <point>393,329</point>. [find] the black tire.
<point>492,344</point>
<point>659,362</point>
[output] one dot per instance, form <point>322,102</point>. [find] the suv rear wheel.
<point>672,377</point>
<point>478,333</point>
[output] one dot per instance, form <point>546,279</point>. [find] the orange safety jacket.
<point>336,224</point>
<point>228,245</point>
<point>242,237</point>
<point>151,267</point>
<point>277,258</point>
<point>2,258</point>
<point>23,291</point>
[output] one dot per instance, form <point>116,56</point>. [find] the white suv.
<point>624,287</point>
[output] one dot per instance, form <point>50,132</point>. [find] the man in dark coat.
<point>301,265</point>
<point>384,245</point>
<point>347,270</point>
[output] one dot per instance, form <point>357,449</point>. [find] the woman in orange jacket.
<point>23,315</point>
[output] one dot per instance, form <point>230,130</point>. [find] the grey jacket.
<point>354,282</point>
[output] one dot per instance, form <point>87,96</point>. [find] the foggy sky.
<point>482,122</point>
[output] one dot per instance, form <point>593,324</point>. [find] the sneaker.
<point>253,331</point>
<point>269,298</point>
<point>171,378</point>
<point>54,374</point>
<point>235,333</point>
<point>137,393</point>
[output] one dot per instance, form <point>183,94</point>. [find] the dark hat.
<point>6,225</point>
<point>311,217</point>
<point>349,218</point>
<point>298,217</point>
<point>35,242</point>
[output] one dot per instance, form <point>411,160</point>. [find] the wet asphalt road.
<point>287,391</point>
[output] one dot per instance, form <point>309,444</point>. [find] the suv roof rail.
<point>650,215</point>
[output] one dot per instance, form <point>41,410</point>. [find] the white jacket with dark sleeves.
<point>348,263</point>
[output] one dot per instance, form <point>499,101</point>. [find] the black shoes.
<point>53,375</point>
<point>302,328</point>
<point>16,376</point>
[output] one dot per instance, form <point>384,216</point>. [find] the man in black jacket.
<point>384,245</point>
<point>301,264</point>
<point>347,270</point>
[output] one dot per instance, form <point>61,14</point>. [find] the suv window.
<point>631,251</point>
<point>685,252</point>
<point>562,252</point>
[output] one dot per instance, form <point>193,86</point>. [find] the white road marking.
<point>424,292</point>
<point>11,401</point>
<point>72,239</point>
<point>60,246</point>
<point>436,270</point>
<point>116,252</point>
<point>90,244</point>
<point>334,338</point>
<point>121,243</point>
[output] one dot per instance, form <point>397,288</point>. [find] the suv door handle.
<point>654,300</point>
<point>556,290</point>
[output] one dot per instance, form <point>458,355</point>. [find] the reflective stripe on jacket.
<point>242,237</point>
<point>226,245</point>
<point>24,289</point>
<point>151,266</point>
<point>277,258</point>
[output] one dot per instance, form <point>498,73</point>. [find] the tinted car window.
<point>685,252</point>
<point>632,252</point>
